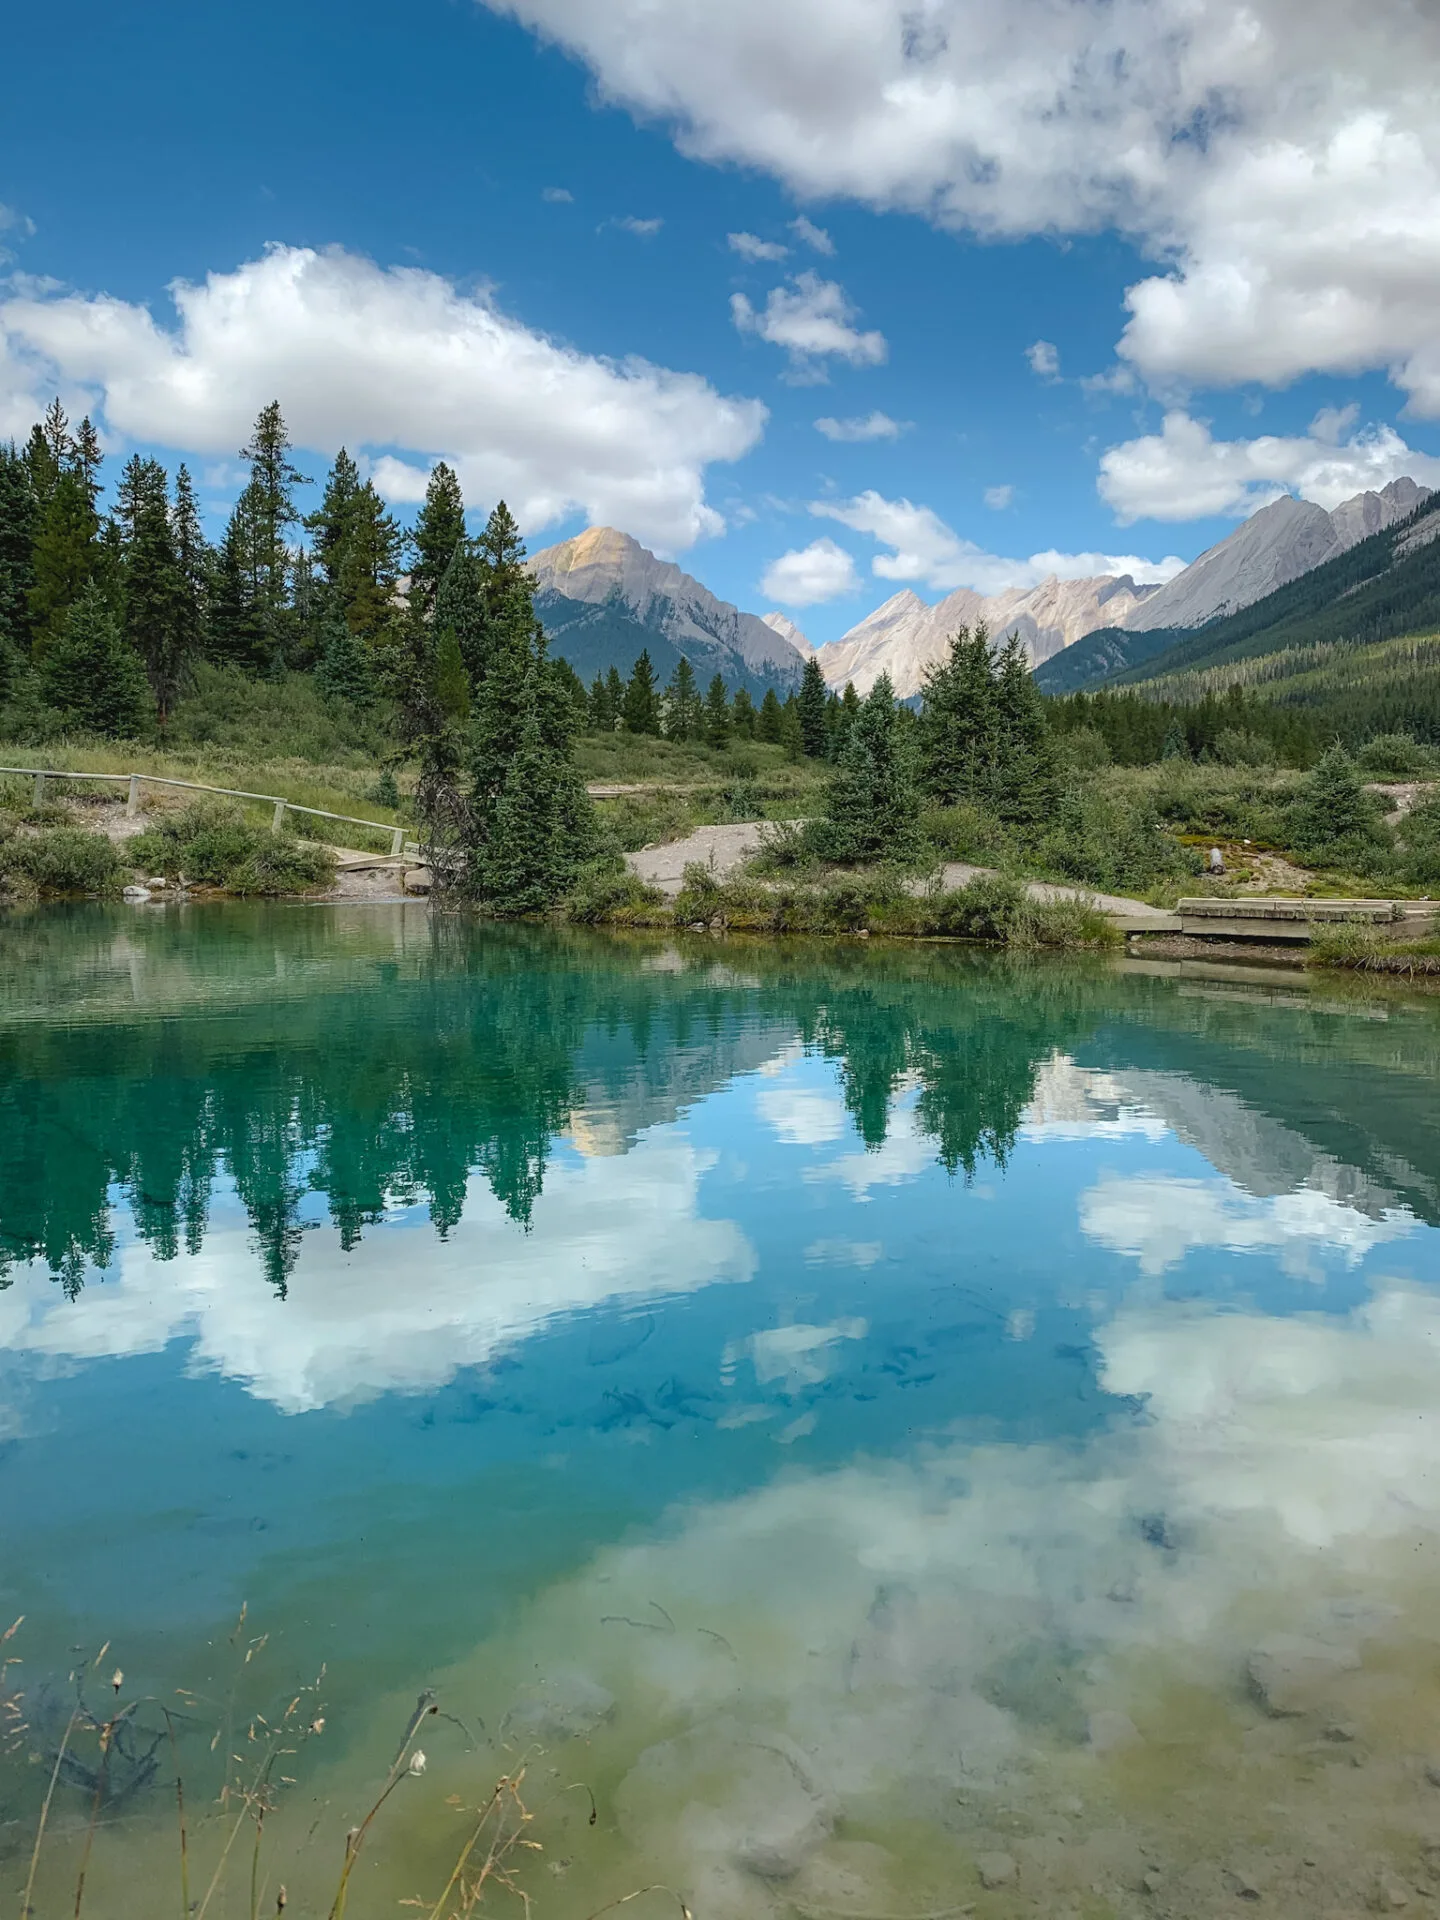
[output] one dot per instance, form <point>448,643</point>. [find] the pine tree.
<point>814,732</point>
<point>615,694</point>
<point>1176,744</point>
<point>19,513</point>
<point>770,723</point>
<point>569,687</point>
<point>641,709</point>
<point>717,714</point>
<point>1024,787</point>
<point>151,588</point>
<point>91,676</point>
<point>872,808</point>
<point>270,511</point>
<point>743,718</point>
<point>439,530</point>
<point>533,853</point>
<point>682,703</point>
<point>59,446</point>
<point>957,731</point>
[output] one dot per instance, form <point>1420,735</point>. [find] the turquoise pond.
<point>895,1429</point>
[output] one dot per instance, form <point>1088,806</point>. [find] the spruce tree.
<point>92,676</point>
<point>65,556</point>
<point>439,530</point>
<point>770,723</point>
<point>151,586</point>
<point>238,630</point>
<point>615,695</point>
<point>1024,751</point>
<point>346,673</point>
<point>743,718</point>
<point>332,522</point>
<point>682,703</point>
<point>1332,814</point>
<point>530,824</point>
<point>370,569</point>
<point>641,709</point>
<point>814,731</point>
<point>872,807</point>
<point>56,439</point>
<point>1176,745</point>
<point>957,736</point>
<point>792,735</point>
<point>601,715</point>
<point>452,682</point>
<point>717,714</point>
<point>19,513</point>
<point>193,563</point>
<point>88,459</point>
<point>270,512</point>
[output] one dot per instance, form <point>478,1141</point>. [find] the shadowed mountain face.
<point>602,598</point>
<point>344,1062</point>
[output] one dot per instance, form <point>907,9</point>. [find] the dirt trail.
<point>725,849</point>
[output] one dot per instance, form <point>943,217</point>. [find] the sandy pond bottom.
<point>864,1437</point>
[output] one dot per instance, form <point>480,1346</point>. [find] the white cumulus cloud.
<point>1184,473</point>
<point>999,498</point>
<point>387,360</point>
<point>1044,358</point>
<point>812,319</point>
<point>750,246</point>
<point>807,575</point>
<point>923,548</point>
<point>809,235</point>
<point>1281,156</point>
<point>869,426</point>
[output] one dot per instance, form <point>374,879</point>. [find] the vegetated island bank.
<point>128,642</point>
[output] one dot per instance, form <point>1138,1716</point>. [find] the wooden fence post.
<point>132,800</point>
<point>397,842</point>
<point>39,790</point>
<point>277,822</point>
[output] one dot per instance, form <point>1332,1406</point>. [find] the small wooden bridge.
<point>133,782</point>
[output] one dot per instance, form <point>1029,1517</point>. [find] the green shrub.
<point>216,846</point>
<point>1238,747</point>
<point>968,832</point>
<point>986,909</point>
<point>1397,756</point>
<point>615,897</point>
<point>1105,838</point>
<point>60,860</point>
<point>1333,820</point>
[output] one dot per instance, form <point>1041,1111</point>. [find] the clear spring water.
<point>902,1428</point>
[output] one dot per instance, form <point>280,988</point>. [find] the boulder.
<point>1289,1674</point>
<point>419,880</point>
<point>137,896</point>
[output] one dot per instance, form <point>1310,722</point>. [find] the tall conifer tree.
<point>872,808</point>
<point>439,530</point>
<point>641,710</point>
<point>814,732</point>
<point>270,512</point>
<point>92,675</point>
<point>19,514</point>
<point>151,590</point>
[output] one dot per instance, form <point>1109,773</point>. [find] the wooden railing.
<point>134,781</point>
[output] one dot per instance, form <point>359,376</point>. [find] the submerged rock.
<point>1111,1732</point>
<point>1289,1675</point>
<point>564,1707</point>
<point>741,1795</point>
<point>995,1869</point>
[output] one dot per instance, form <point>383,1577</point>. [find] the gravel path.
<point>726,848</point>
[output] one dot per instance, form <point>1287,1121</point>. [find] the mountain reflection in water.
<point>867,1411</point>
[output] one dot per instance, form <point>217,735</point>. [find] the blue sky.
<point>463,261</point>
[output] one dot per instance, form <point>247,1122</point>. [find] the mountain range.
<point>603,598</point>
